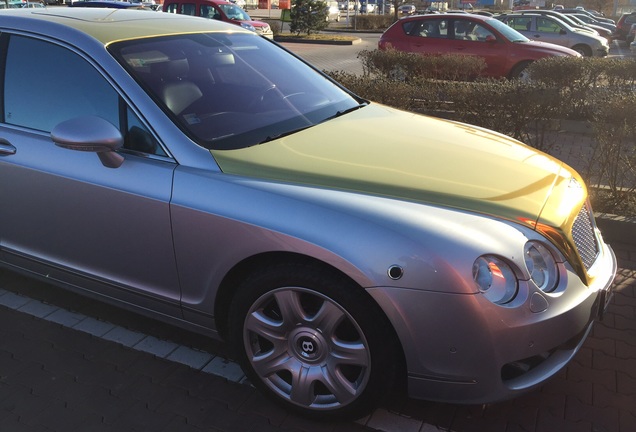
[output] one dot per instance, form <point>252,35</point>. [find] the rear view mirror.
<point>222,59</point>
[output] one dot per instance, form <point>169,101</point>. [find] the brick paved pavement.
<point>54,378</point>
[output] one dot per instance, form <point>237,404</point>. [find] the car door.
<point>475,39</point>
<point>546,29</point>
<point>429,36</point>
<point>64,214</point>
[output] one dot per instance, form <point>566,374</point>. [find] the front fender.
<point>220,220</point>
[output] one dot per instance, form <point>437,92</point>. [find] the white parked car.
<point>550,29</point>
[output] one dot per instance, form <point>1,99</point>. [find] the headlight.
<point>248,26</point>
<point>541,266</point>
<point>495,279</point>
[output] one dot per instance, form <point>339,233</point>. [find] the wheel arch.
<point>519,67</point>
<point>242,270</point>
<point>583,49</point>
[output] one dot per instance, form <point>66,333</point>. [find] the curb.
<point>317,41</point>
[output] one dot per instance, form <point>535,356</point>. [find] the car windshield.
<point>232,90</point>
<point>508,32</point>
<point>234,12</point>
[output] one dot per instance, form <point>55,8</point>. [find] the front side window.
<point>46,84</point>
<point>234,12</point>
<point>479,33</point>
<point>471,31</point>
<point>208,11</point>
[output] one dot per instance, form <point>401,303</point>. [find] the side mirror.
<point>91,134</point>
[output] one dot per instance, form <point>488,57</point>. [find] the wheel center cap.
<point>308,345</point>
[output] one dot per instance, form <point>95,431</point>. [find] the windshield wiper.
<point>293,131</point>
<point>347,111</point>
<point>283,134</point>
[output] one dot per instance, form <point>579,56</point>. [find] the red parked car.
<point>624,24</point>
<point>506,51</point>
<point>220,10</point>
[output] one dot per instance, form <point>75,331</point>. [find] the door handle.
<point>6,148</point>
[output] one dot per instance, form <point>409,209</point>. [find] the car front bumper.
<point>463,349</point>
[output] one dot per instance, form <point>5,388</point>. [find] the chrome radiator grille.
<point>584,238</point>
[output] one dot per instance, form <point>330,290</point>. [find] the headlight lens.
<point>495,279</point>
<point>248,26</point>
<point>541,266</point>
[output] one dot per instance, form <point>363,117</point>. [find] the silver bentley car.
<point>197,173</point>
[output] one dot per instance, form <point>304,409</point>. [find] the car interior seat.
<point>177,92</point>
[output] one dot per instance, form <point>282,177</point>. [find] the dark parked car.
<point>593,21</point>
<point>507,52</point>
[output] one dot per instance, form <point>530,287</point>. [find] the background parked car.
<point>368,6</point>
<point>553,30</point>
<point>631,34</point>
<point>220,10</point>
<point>584,11</point>
<point>571,21</point>
<point>601,30</point>
<point>623,25</point>
<point>404,10</point>
<point>113,4</point>
<point>333,11</point>
<point>351,5</point>
<point>507,52</point>
<point>593,21</point>
<point>240,3</point>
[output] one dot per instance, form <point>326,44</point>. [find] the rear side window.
<point>46,84</point>
<point>433,28</point>
<point>182,8</point>
<point>520,23</point>
<point>546,25</point>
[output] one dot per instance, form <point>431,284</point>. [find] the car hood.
<point>550,48</point>
<point>383,151</point>
<point>256,24</point>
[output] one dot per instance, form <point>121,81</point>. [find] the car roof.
<point>447,15</point>
<point>109,25</point>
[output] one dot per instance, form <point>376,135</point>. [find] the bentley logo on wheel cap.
<point>308,347</point>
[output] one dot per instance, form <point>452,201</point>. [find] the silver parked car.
<point>550,29</point>
<point>195,172</point>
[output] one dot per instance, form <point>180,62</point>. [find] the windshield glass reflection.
<point>230,91</point>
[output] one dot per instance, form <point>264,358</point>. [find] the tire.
<point>584,50</point>
<point>519,71</point>
<point>312,340</point>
